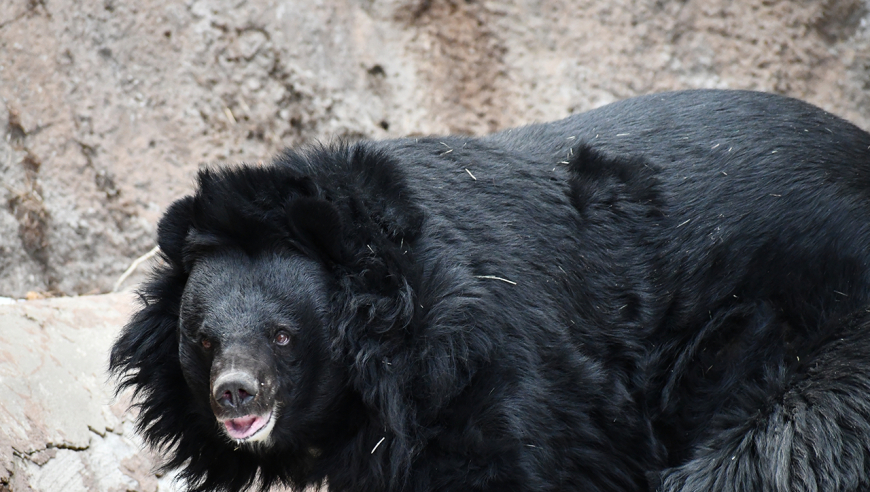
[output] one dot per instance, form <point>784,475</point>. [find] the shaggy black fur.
<point>655,295</point>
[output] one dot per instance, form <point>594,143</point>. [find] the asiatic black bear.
<point>665,293</point>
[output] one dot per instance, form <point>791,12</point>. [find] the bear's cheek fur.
<point>196,368</point>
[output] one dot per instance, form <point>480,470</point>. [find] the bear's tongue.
<point>244,427</point>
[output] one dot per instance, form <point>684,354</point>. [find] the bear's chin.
<point>250,429</point>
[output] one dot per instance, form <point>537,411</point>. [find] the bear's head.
<point>277,326</point>
<point>253,348</point>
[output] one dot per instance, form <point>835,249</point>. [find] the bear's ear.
<point>317,228</point>
<point>173,229</point>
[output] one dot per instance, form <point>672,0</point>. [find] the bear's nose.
<point>235,389</point>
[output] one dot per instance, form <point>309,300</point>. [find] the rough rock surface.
<point>60,427</point>
<point>110,106</point>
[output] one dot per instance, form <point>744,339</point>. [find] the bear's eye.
<point>282,338</point>
<point>206,343</point>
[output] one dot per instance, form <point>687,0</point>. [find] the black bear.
<point>666,293</point>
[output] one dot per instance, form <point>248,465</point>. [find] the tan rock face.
<point>111,106</point>
<point>61,429</point>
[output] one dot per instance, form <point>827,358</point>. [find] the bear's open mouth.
<point>249,427</point>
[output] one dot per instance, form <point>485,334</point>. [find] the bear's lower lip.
<point>242,428</point>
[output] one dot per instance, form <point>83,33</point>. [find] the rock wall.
<point>109,107</point>
<point>61,429</point>
<point>112,105</point>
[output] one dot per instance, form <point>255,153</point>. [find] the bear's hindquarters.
<point>809,432</point>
